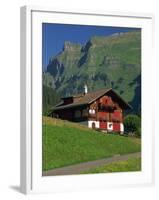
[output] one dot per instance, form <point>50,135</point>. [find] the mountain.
<point>104,61</point>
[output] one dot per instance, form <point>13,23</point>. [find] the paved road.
<point>77,168</point>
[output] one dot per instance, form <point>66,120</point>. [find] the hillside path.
<point>78,168</point>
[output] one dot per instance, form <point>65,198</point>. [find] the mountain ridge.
<point>104,61</point>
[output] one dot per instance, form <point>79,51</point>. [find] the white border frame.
<point>31,100</point>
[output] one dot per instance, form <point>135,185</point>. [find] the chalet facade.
<point>102,109</point>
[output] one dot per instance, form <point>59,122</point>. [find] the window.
<point>85,113</point>
<point>77,114</point>
<point>92,111</point>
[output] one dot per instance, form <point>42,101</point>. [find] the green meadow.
<point>66,143</point>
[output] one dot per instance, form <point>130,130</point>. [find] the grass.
<point>132,164</point>
<point>66,143</point>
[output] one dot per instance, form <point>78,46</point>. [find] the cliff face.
<point>110,61</point>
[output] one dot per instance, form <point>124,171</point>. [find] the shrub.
<point>132,124</point>
<point>138,132</point>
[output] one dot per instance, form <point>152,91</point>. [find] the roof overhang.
<point>69,106</point>
<point>123,104</point>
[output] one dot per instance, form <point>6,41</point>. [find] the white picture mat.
<point>75,182</point>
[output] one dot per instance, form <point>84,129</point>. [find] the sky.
<point>54,36</point>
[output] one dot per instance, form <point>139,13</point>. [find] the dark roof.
<point>85,99</point>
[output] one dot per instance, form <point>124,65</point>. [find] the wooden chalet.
<point>102,109</point>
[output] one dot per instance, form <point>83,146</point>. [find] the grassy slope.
<point>132,164</point>
<point>66,143</point>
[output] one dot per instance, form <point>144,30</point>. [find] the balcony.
<point>106,107</point>
<point>109,117</point>
<point>92,116</point>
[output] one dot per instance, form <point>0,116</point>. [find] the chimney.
<point>85,89</point>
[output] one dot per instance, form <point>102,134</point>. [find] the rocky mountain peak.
<point>104,61</point>
<point>70,46</point>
